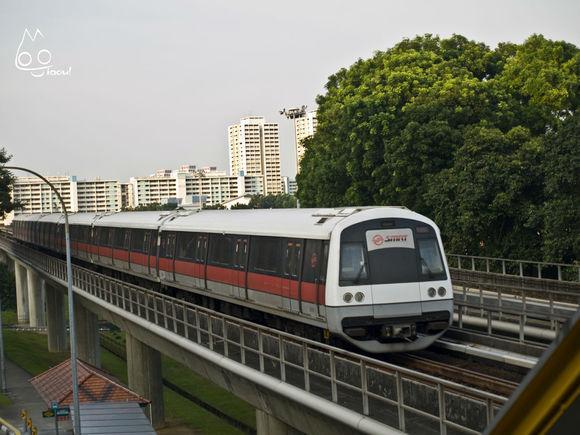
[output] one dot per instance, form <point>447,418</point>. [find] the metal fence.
<point>405,399</point>
<point>521,268</point>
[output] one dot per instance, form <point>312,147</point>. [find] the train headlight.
<point>431,292</point>
<point>441,291</point>
<point>359,296</point>
<point>347,298</point>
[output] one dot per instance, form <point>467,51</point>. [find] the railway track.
<point>456,373</point>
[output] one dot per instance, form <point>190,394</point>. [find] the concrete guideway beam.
<point>55,318</point>
<point>145,377</point>
<point>36,299</point>
<point>21,292</point>
<point>267,424</point>
<point>87,327</point>
<point>291,405</point>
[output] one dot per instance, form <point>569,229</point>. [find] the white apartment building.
<point>289,186</point>
<point>96,196</point>
<point>153,189</point>
<point>254,150</point>
<point>304,127</point>
<point>216,186</point>
<point>127,196</point>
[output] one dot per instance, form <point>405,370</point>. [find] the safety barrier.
<point>521,268</point>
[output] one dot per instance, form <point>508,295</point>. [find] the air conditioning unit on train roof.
<point>334,212</point>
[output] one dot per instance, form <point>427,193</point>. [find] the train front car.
<point>388,285</point>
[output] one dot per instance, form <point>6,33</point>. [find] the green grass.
<point>9,318</point>
<point>29,351</point>
<point>4,401</point>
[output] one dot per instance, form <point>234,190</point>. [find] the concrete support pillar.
<point>88,343</point>
<point>269,425</point>
<point>55,319</point>
<point>21,293</point>
<point>145,377</point>
<point>35,299</point>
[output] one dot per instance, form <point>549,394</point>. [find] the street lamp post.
<point>72,328</point>
<point>2,366</point>
<point>292,114</point>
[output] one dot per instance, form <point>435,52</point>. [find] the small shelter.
<point>95,386</point>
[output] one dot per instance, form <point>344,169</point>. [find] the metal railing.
<point>521,268</point>
<point>506,306</point>
<point>408,400</point>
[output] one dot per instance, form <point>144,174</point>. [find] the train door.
<point>167,256</point>
<point>200,257</point>
<point>292,259</point>
<point>239,271</point>
<point>147,245</point>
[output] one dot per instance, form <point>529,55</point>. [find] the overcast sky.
<point>154,84</point>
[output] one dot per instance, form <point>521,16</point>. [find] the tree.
<point>459,132</point>
<point>6,181</point>
<point>561,211</point>
<point>154,207</point>
<point>282,200</point>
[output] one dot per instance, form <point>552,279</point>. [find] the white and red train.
<point>375,276</point>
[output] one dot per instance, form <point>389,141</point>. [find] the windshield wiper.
<point>424,263</point>
<point>360,271</point>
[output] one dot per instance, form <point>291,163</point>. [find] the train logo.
<point>378,240</point>
<point>33,57</point>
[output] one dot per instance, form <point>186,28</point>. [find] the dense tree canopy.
<point>484,141</point>
<point>6,180</point>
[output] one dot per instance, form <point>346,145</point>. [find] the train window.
<point>292,257</point>
<point>186,246</point>
<point>221,250</point>
<point>137,240</point>
<point>119,238</point>
<point>167,247</point>
<point>201,248</point>
<point>432,268</point>
<point>241,253</point>
<point>266,255</point>
<point>315,260</point>
<point>104,236</point>
<point>353,264</point>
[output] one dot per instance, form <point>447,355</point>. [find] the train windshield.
<point>431,262</point>
<point>371,255</point>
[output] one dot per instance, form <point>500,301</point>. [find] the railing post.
<point>473,263</point>
<point>281,352</point>
<point>521,269</point>
<point>225,335</point>
<point>559,273</point>
<point>333,386</point>
<point>364,387</point>
<point>442,417</point>
<point>306,367</point>
<point>242,346</point>
<point>261,350</point>
<point>400,408</point>
<point>540,270</point>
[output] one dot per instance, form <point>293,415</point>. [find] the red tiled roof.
<point>94,386</point>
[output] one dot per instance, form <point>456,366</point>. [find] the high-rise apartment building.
<point>127,196</point>
<point>216,186</point>
<point>97,196</point>
<point>304,127</point>
<point>254,150</point>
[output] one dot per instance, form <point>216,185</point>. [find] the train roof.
<point>300,223</point>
